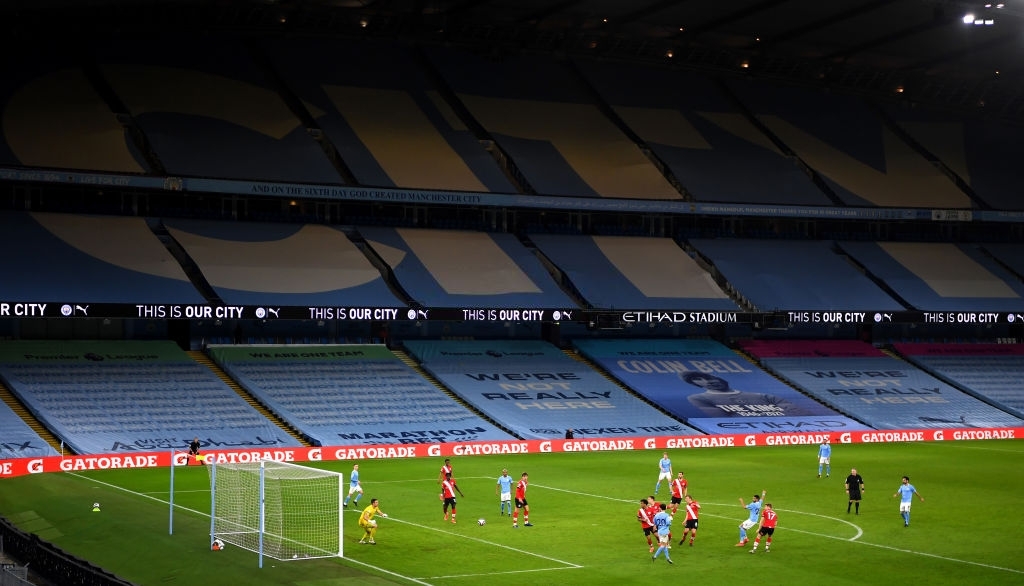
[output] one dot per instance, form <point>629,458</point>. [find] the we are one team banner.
<point>23,466</point>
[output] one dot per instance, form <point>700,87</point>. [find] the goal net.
<point>277,509</point>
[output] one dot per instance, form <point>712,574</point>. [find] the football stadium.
<point>301,291</point>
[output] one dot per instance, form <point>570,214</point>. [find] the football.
<point>481,521</point>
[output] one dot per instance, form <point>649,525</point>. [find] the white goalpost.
<point>277,509</point>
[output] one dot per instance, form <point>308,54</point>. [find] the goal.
<point>277,509</point>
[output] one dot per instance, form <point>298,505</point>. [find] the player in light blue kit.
<point>504,489</point>
<point>663,523</point>
<point>825,457</point>
<point>755,515</point>
<point>354,487</point>
<point>664,471</point>
<point>906,492</point>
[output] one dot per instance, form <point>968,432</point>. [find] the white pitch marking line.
<point>389,572</point>
<point>569,565</point>
<point>153,498</point>
<point>985,449</point>
<point>167,492</point>
<point>499,573</point>
<point>596,496</point>
<point>910,551</point>
<point>142,494</point>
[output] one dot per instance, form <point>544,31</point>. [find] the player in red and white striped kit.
<point>646,523</point>
<point>521,502</point>
<point>680,487</point>
<point>768,521</point>
<point>448,490</point>
<point>690,525</point>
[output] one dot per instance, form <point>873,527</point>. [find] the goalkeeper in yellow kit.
<point>367,522</point>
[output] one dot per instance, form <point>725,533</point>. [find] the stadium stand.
<point>799,348</point>
<point>113,396</point>
<point>711,387</point>
<point>554,154</point>
<point>978,151</point>
<point>420,118</point>
<point>88,259</point>
<point>209,111</point>
<point>352,395</point>
<point>540,114</point>
<point>882,391</point>
<point>990,371</point>
<point>713,149</point>
<point>388,121</point>
<point>53,117</point>
<point>18,440</point>
<point>940,276</point>
<point>629,272</point>
<point>537,391</point>
<point>282,264</point>
<point>1009,255</point>
<point>798,275</point>
<point>452,268</point>
<point>863,161</point>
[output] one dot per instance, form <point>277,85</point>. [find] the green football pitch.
<point>583,510</point>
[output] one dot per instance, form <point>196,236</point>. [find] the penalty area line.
<point>568,565</point>
<point>576,492</point>
<point>500,573</point>
<point>920,553</point>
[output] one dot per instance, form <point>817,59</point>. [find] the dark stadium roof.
<point>873,47</point>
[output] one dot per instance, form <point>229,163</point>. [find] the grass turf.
<point>583,509</point>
